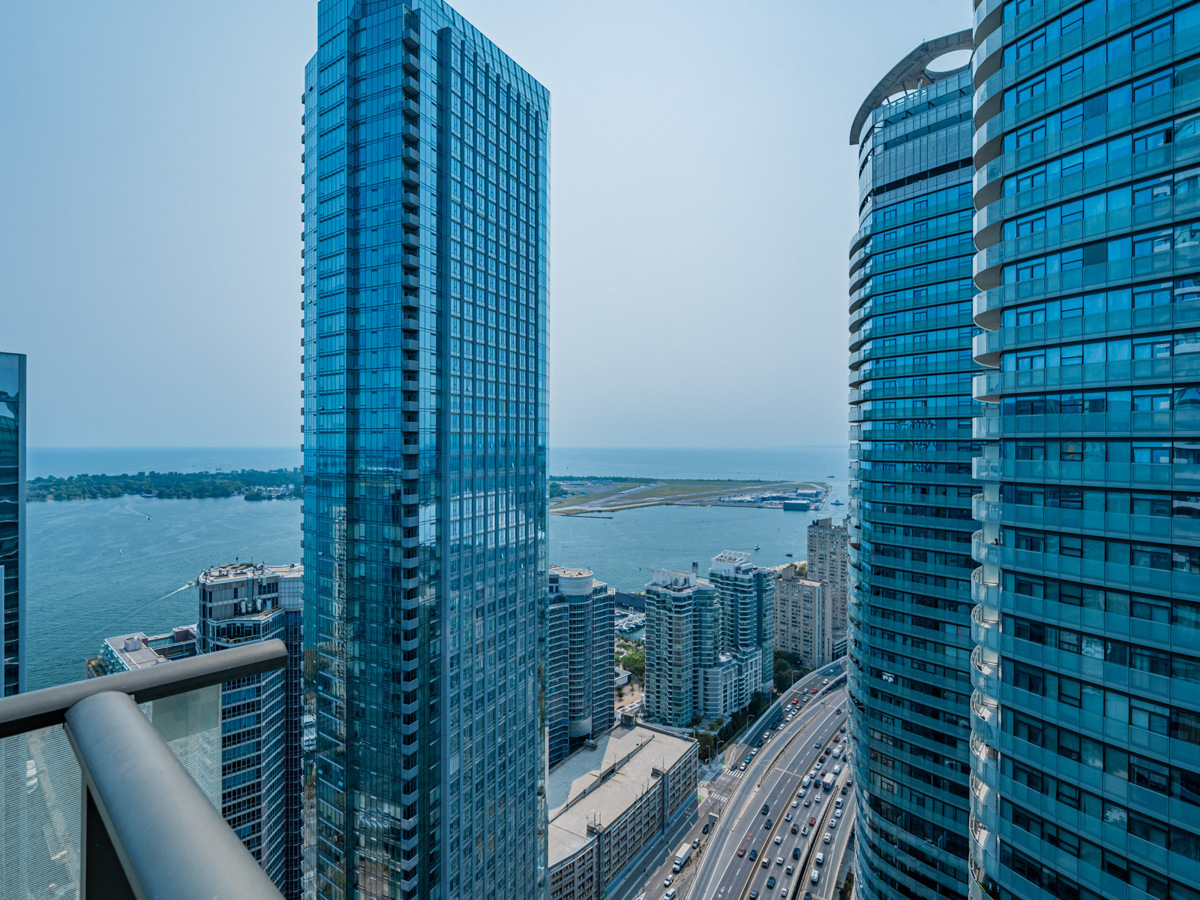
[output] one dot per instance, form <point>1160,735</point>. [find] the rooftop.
<point>594,787</point>
<point>568,572</point>
<point>240,571</point>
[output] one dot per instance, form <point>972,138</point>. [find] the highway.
<point>774,778</point>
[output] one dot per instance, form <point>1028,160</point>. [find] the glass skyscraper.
<point>12,517</point>
<point>425,500</point>
<point>1086,666</point>
<point>908,605</point>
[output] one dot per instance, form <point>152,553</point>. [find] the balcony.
<point>107,809</point>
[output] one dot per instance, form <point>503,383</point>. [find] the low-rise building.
<point>612,802</point>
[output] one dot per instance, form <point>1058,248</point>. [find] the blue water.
<point>99,568</point>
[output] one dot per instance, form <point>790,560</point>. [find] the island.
<point>594,494</point>
<point>251,484</point>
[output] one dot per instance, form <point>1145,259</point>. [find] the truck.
<point>827,782</point>
<point>681,857</point>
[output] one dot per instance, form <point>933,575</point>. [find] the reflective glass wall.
<point>910,522</point>
<point>425,315</point>
<point>1086,666</point>
<point>12,517</point>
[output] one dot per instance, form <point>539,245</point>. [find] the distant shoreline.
<point>250,484</point>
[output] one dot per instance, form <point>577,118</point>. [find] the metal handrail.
<point>148,831</point>
<point>41,709</point>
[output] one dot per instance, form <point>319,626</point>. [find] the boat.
<point>837,503</point>
<point>787,554</point>
<point>756,547</point>
<point>831,476</point>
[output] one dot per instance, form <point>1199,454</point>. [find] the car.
<point>668,881</point>
<point>828,837</point>
<point>754,752</point>
<point>753,854</point>
<point>795,853</point>
<point>795,830</point>
<point>837,770</point>
<point>812,820</point>
<point>817,745</point>
<point>695,843</point>
<point>826,681</point>
<point>754,894</point>
<point>742,850</point>
<point>845,788</point>
<point>819,859</point>
<point>790,869</point>
<point>814,690</point>
<point>838,803</point>
<point>801,792</point>
<point>849,782</point>
<point>671,894</point>
<point>768,823</point>
<point>778,839</point>
<point>815,876</point>
<point>783,894</point>
<point>833,823</point>
<point>804,831</point>
<point>819,764</point>
<point>770,882</point>
<point>779,860</point>
<point>795,803</point>
<point>766,863</point>
<point>749,757</point>
<point>808,803</point>
<point>765,809</point>
<point>707,827</point>
<point>842,729</point>
<point>742,767</point>
<point>788,817</point>
<point>838,710</point>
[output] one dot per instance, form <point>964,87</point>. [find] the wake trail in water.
<point>176,591</point>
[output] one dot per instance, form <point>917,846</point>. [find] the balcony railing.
<point>103,786</point>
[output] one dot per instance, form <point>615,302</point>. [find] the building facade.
<point>426,162</point>
<point>829,563</point>
<point>261,757</point>
<point>12,518</point>
<point>803,620</point>
<point>682,629</point>
<point>1086,705</point>
<point>908,603</point>
<point>611,804</point>
<point>746,597</point>
<point>581,693</point>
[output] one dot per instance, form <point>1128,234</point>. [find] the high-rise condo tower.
<point>1085,714</point>
<point>908,605</point>
<point>426,163</point>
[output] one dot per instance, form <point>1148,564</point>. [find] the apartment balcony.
<point>112,785</point>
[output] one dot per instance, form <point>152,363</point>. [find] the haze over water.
<point>100,568</point>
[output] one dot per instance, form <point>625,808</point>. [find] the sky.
<point>703,195</point>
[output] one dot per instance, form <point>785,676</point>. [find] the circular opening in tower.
<point>948,62</point>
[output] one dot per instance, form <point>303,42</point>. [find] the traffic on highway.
<point>787,811</point>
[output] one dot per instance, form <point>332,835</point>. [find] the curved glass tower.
<point>910,511</point>
<point>1086,667</point>
<point>425,316</point>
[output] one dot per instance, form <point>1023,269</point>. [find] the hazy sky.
<point>703,194</point>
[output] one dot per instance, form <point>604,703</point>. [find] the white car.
<point>837,813</point>
<point>828,837</point>
<point>667,883</point>
<point>795,803</point>
<point>833,823</point>
<point>779,839</point>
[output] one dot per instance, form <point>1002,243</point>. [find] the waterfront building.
<point>1086,708</point>
<point>611,803</point>
<point>581,692</point>
<point>803,619</point>
<point>426,167</point>
<point>829,563</point>
<point>682,628</point>
<point>12,518</point>
<point>261,757</point>
<point>908,601</point>
<point>746,597</point>
<point>130,652</point>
